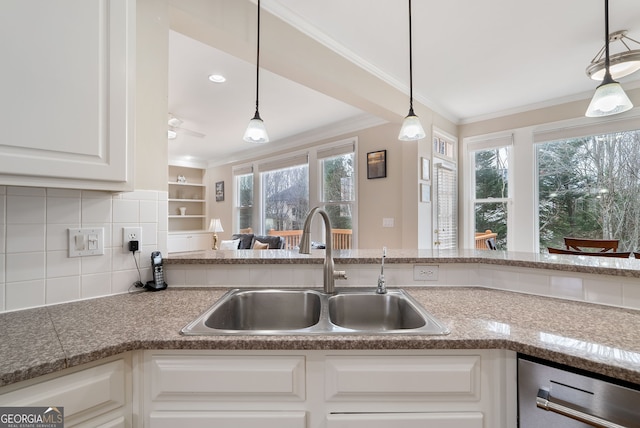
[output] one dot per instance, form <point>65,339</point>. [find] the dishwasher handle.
<point>543,401</point>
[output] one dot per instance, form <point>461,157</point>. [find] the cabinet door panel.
<point>68,92</point>
<point>228,419</point>
<point>405,378</point>
<point>406,420</point>
<point>229,378</point>
<point>92,391</point>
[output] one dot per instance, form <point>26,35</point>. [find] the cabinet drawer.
<point>86,393</point>
<point>228,419</point>
<point>406,420</point>
<point>406,378</point>
<point>227,378</point>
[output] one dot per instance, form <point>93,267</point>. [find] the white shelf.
<point>175,183</point>
<point>187,200</point>
<point>187,216</point>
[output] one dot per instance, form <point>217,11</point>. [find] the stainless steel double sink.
<point>281,312</point>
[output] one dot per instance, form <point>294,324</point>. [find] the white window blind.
<point>243,170</point>
<point>336,150</point>
<point>288,162</point>
<point>446,207</point>
<point>582,129</point>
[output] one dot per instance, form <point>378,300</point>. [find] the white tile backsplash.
<point>26,209</point>
<point>22,238</point>
<point>25,266</point>
<point>95,285</point>
<point>24,294</point>
<point>63,210</point>
<point>34,265</point>
<point>63,289</point>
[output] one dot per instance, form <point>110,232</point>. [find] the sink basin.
<point>264,310</point>
<point>279,312</point>
<point>374,312</point>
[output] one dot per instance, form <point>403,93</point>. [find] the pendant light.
<point>609,98</point>
<point>411,128</point>
<point>256,131</point>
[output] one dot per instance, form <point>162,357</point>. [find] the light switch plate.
<point>86,242</point>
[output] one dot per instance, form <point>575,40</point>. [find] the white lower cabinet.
<point>228,419</point>
<point>332,389</point>
<point>406,420</point>
<point>94,395</point>
<point>194,241</point>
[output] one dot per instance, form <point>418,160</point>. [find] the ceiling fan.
<point>175,128</point>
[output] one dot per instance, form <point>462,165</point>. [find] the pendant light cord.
<point>257,115</point>
<point>606,35</point>
<point>410,66</point>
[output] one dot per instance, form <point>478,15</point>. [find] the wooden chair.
<point>622,255</point>
<point>482,239</point>
<point>603,245</point>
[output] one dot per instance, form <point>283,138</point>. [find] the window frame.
<point>472,146</point>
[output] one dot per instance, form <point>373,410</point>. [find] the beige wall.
<point>566,111</point>
<point>152,50</point>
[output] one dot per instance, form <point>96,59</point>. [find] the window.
<point>338,195</point>
<point>287,187</point>
<point>285,197</point>
<point>244,198</point>
<point>491,194</point>
<point>589,187</point>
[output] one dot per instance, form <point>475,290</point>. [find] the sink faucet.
<point>330,275</point>
<point>382,284</point>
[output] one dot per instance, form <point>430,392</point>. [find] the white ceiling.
<point>471,59</point>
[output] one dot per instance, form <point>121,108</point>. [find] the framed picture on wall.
<point>377,164</point>
<point>425,192</point>
<point>425,169</point>
<point>220,191</point>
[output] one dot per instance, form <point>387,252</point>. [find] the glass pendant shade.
<point>609,99</point>
<point>256,131</point>
<point>411,128</point>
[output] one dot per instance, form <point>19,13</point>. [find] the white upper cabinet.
<point>67,93</point>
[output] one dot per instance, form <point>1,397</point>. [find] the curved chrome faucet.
<point>330,275</point>
<point>382,283</point>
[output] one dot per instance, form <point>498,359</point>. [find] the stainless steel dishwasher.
<point>559,397</point>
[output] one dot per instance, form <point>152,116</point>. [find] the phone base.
<point>152,286</point>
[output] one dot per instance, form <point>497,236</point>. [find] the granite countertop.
<point>601,339</point>
<point>629,267</point>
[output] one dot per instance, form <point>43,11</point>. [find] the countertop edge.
<point>567,263</point>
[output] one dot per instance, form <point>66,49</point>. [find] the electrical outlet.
<point>425,273</point>
<point>131,234</point>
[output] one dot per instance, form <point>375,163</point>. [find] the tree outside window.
<point>338,192</point>
<point>286,197</point>
<point>244,200</point>
<point>492,192</point>
<point>590,188</point>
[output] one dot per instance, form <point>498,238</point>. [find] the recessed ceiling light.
<point>217,78</point>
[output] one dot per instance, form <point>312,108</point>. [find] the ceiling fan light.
<point>609,99</point>
<point>256,131</point>
<point>411,129</point>
<point>621,65</point>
